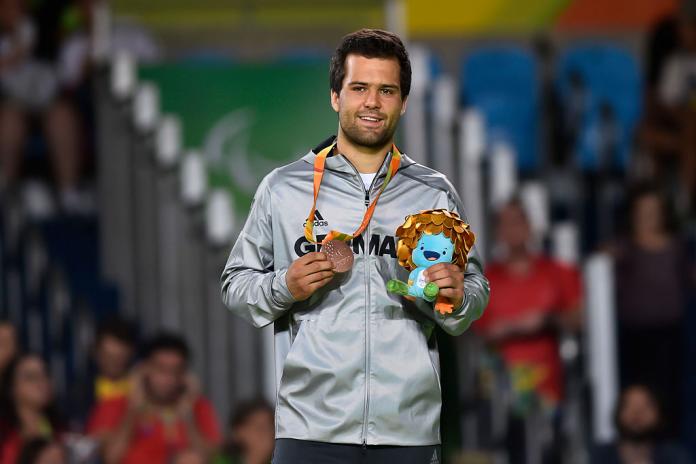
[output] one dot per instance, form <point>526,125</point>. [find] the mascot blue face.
<point>433,249</point>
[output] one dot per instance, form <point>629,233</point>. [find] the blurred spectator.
<point>534,298</point>
<point>669,130</point>
<point>109,377</point>
<point>27,408</point>
<point>251,435</point>
<point>163,415</point>
<point>74,58</point>
<point>42,451</point>
<point>30,93</point>
<point>652,278</point>
<point>8,344</point>
<point>114,350</point>
<point>638,422</point>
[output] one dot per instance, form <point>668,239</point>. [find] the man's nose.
<point>372,99</point>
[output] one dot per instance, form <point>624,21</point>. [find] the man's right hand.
<point>308,274</point>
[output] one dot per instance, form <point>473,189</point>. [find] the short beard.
<point>369,140</point>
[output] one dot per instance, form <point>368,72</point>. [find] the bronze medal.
<point>340,254</point>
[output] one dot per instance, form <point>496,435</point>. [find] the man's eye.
<point>387,91</point>
<point>359,89</point>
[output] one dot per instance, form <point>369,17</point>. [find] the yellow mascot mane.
<point>433,222</point>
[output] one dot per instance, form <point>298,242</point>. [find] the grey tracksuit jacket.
<point>354,363</point>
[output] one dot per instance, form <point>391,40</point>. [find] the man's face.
<point>32,386</point>
<point>256,436</point>
<point>369,104</point>
<point>638,419</point>
<point>52,454</point>
<point>165,374</point>
<point>648,215</point>
<point>113,357</point>
<point>513,228</point>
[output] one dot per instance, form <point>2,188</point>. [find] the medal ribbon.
<point>319,163</point>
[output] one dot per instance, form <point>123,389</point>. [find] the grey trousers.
<point>289,451</point>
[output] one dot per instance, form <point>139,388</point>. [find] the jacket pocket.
<point>321,391</point>
<point>404,383</point>
<point>297,334</point>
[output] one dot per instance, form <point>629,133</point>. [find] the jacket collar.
<point>339,163</point>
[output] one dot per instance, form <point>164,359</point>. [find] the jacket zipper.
<point>367,323</point>
<point>367,303</point>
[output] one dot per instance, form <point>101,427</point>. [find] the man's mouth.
<point>370,119</point>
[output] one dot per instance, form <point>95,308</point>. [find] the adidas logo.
<point>319,220</point>
<point>434,459</point>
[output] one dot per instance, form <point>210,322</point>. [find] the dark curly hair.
<point>240,415</point>
<point>370,43</point>
<point>167,342</point>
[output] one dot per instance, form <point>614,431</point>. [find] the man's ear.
<point>334,100</point>
<point>403,107</point>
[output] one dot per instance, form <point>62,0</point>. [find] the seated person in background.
<point>251,434</point>
<point>30,91</point>
<point>113,354</point>
<point>42,451</point>
<point>652,277</point>
<point>27,409</point>
<point>163,415</point>
<point>108,377</point>
<point>669,126</point>
<point>8,344</point>
<point>639,423</point>
<point>533,298</point>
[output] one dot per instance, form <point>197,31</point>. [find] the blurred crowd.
<point>143,404</point>
<point>536,301</point>
<point>45,112</point>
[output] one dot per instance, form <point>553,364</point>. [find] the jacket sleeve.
<point>251,287</point>
<point>476,288</point>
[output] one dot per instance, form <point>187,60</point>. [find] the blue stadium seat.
<point>611,89</point>
<point>503,83</point>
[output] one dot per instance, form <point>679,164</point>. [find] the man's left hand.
<point>450,279</point>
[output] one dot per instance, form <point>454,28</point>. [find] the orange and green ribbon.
<point>319,163</point>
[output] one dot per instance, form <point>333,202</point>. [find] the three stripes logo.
<point>434,459</point>
<point>319,220</point>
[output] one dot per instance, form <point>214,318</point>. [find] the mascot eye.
<point>422,248</point>
<point>444,252</point>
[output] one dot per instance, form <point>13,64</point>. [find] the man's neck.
<point>365,159</point>
<point>519,260</point>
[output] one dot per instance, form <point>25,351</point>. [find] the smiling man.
<point>359,378</point>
